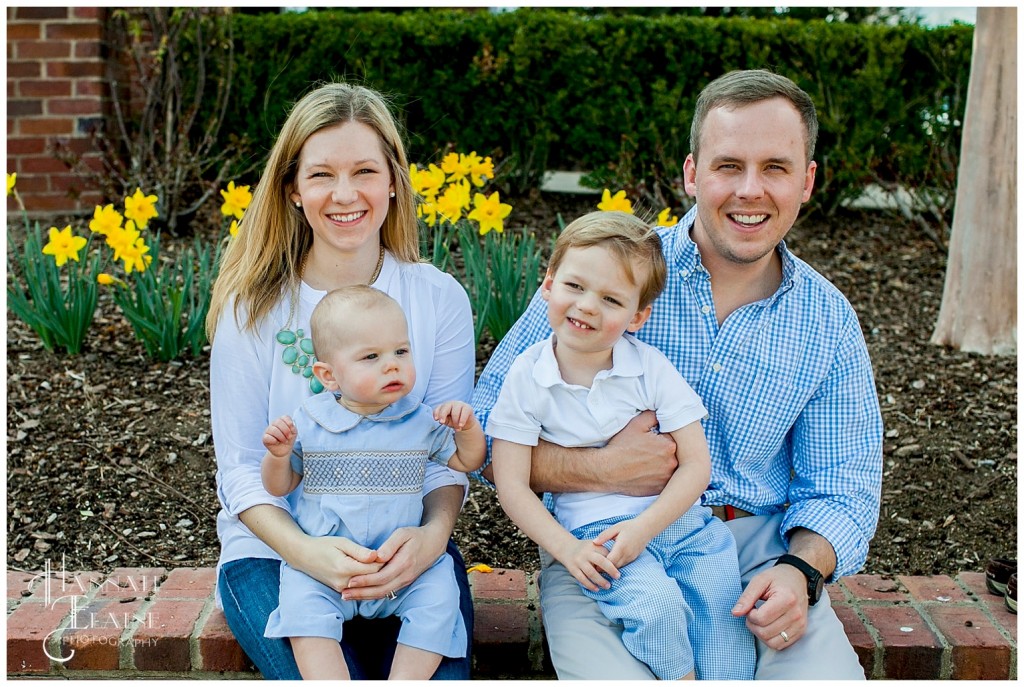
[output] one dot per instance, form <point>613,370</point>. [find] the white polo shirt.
<point>536,403</point>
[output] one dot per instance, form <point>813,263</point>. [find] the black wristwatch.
<point>815,582</point>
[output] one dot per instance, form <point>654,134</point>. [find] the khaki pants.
<point>584,645</point>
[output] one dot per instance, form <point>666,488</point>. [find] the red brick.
<point>28,628</point>
<point>44,87</point>
<point>90,87</point>
<point>94,638</point>
<point>874,588</point>
<point>975,583</point>
<point>42,13</point>
<point>88,13</point>
<point>979,651</point>
<point>859,636</point>
<point>90,31</point>
<point>501,638</point>
<point>218,649</point>
<point>499,584</point>
<point>76,69</point>
<point>21,584</point>
<point>74,106</point>
<point>123,583</point>
<point>61,584</point>
<point>23,108</point>
<point>19,32</point>
<point>24,70</point>
<point>29,184</point>
<point>46,126</point>
<point>42,165</point>
<point>933,588</point>
<point>913,655</point>
<point>88,49</point>
<point>162,643</point>
<point>188,583</point>
<point>38,50</point>
<point>51,202</point>
<point>1003,617</point>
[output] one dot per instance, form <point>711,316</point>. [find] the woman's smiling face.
<point>344,183</point>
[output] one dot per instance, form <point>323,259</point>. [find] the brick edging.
<point>151,622</point>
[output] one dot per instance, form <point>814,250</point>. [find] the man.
<point>778,357</point>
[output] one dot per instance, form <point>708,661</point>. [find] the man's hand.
<point>644,459</point>
<point>784,592</point>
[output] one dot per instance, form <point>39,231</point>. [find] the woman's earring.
<point>392,194</point>
<point>298,203</point>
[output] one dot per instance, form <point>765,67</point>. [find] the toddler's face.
<point>373,363</point>
<point>591,301</point>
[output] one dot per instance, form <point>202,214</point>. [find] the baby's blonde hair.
<point>629,238</point>
<point>328,323</point>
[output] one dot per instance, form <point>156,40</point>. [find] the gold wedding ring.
<point>785,637</point>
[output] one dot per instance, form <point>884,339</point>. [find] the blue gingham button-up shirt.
<point>793,416</point>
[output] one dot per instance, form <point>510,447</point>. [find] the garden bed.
<point>110,461</point>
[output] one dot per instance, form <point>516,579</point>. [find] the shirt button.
<point>716,367</point>
<point>705,309</point>
<point>685,273</point>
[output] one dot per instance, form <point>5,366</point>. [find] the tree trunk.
<point>979,302</point>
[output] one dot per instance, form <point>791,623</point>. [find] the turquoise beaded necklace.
<point>298,348</point>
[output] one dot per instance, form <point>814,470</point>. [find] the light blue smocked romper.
<point>363,479</point>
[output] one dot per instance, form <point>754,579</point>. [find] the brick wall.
<point>55,91</point>
<point>150,622</point>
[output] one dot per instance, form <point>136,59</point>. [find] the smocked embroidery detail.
<point>363,472</point>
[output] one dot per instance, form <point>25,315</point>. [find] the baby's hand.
<point>279,437</point>
<point>455,414</point>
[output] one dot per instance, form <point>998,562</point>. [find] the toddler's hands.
<point>455,414</point>
<point>586,561</point>
<point>279,437</point>
<point>630,540</point>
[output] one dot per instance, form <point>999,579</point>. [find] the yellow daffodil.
<point>11,180</point>
<point>122,239</point>
<point>664,220</point>
<point>236,200</point>
<point>489,212</point>
<point>233,229</point>
<point>135,257</point>
<point>453,201</point>
<point>456,166</point>
<point>480,169</point>
<point>105,220</point>
<point>617,202</point>
<point>63,245</point>
<point>428,211</point>
<point>108,279</point>
<point>426,182</point>
<point>140,208</point>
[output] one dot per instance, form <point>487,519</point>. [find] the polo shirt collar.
<point>625,362</point>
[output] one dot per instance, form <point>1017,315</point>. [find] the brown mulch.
<point>110,461</point>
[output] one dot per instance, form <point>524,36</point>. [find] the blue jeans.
<point>249,590</point>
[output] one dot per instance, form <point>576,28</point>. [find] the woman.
<point>334,208</point>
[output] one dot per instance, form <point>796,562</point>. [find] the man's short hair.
<point>746,87</point>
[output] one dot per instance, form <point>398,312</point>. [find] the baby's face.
<point>373,362</point>
<point>591,301</point>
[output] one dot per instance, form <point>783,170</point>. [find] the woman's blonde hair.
<point>265,257</point>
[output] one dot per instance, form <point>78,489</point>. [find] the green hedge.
<point>548,89</point>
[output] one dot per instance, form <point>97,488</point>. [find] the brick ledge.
<point>153,622</point>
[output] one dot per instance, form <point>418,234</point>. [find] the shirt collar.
<point>625,362</point>
<point>686,256</point>
<point>327,412</point>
